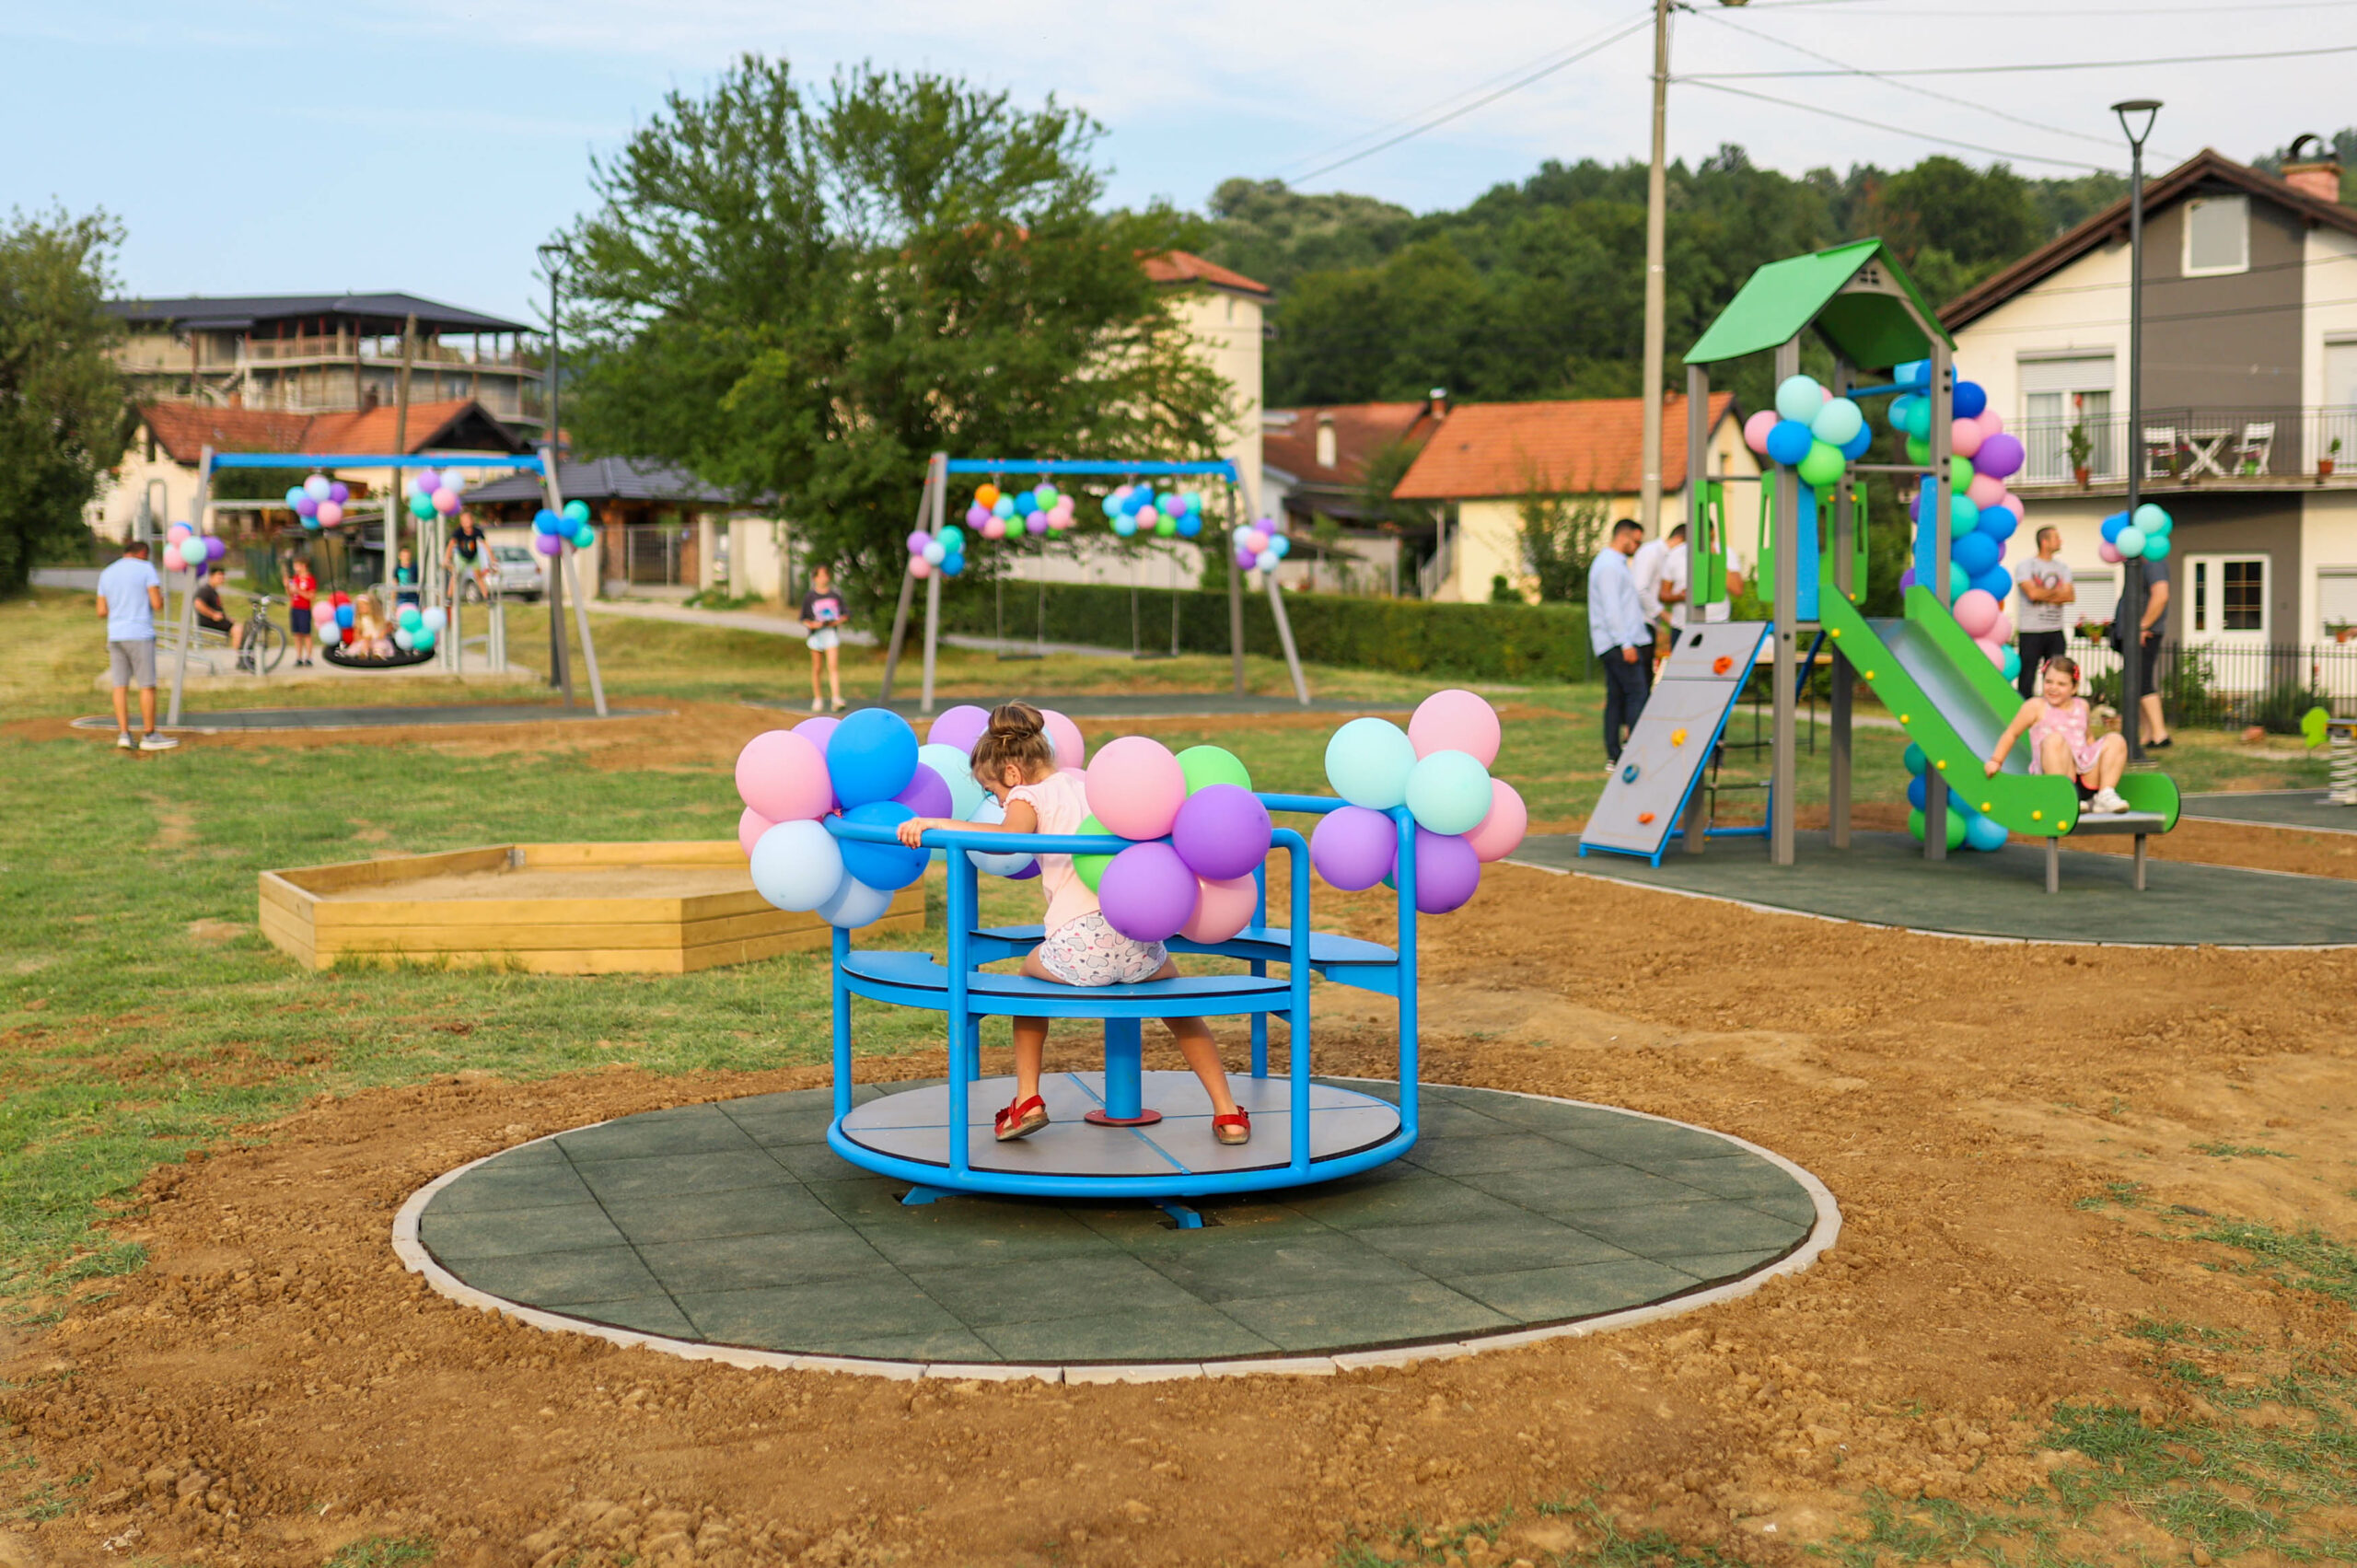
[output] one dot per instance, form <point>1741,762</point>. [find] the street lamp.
<point>556,255</point>
<point>2136,116</point>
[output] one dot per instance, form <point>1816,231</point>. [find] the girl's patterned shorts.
<point>1088,952</point>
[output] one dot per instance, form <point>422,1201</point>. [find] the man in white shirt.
<point>1677,588</point>
<point>1644,570</point>
<point>2047,594</point>
<point>130,597</point>
<point>1618,631</point>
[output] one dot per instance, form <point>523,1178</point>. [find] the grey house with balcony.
<point>2249,429</point>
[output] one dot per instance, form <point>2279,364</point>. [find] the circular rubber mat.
<point>733,1224</point>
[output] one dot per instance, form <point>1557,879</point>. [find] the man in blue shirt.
<point>130,596</point>
<point>1617,630</point>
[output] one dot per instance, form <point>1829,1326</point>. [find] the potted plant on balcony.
<point>2324,464</point>
<point>2081,447</point>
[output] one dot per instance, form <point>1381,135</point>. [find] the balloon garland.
<point>432,494</point>
<point>1439,769</point>
<point>1134,509</point>
<point>319,502</point>
<point>2146,533</point>
<point>1261,546</point>
<point>944,552</point>
<point>189,551</point>
<point>552,530</point>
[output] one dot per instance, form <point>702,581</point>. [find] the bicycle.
<point>265,642</point>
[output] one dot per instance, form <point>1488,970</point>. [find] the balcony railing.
<point>378,352</point>
<point>2186,446</point>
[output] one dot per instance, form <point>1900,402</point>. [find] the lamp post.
<point>1656,326</point>
<point>554,254</point>
<point>2136,116</point>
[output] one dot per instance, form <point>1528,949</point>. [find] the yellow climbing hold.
<point>1870,674</point>
<point>1987,805</point>
<point>1836,634</point>
<point>1902,718</point>
<point>2038,815</point>
<point>1942,765</point>
<point>1677,737</point>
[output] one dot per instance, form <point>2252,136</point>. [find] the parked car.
<point>516,571</point>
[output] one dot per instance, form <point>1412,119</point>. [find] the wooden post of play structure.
<point>1935,799</point>
<point>936,476</point>
<point>1836,783</point>
<point>1783,775</point>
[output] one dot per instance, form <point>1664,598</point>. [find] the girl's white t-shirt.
<point>1063,805</point>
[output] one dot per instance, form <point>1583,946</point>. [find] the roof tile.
<point>1185,266</point>
<point>1582,444</point>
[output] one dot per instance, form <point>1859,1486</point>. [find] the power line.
<point>1439,103</point>
<point>2040,66</point>
<point>1438,120</point>
<point>1904,86</point>
<point>1900,130</point>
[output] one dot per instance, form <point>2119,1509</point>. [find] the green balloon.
<point>1823,466</point>
<point>1959,475</point>
<point>1210,765</point>
<point>420,507</point>
<point>1919,451</point>
<point>584,537</point>
<point>577,510</point>
<point>1956,826</point>
<point>1091,866</point>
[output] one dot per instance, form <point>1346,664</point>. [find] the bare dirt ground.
<point>275,1385</point>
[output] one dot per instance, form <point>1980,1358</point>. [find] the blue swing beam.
<point>911,979</point>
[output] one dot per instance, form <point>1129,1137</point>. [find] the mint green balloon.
<point>2153,520</point>
<point>2156,547</point>
<point>1368,761</point>
<point>1823,466</point>
<point>1203,765</point>
<point>1448,792</point>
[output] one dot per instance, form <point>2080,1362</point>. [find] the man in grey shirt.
<point>2047,597</point>
<point>130,596</point>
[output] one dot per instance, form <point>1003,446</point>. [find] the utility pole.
<point>553,256</point>
<point>2128,618</point>
<point>394,500</point>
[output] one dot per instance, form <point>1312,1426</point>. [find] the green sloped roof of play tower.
<point>1782,297</point>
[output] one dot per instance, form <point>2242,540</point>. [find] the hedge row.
<point>1493,642</point>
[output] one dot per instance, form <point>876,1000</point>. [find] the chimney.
<point>1439,402</point>
<point>1326,450</point>
<point>2318,175</point>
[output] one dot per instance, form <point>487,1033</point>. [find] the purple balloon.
<point>959,726</point>
<point>339,491</point>
<point>1147,893</point>
<point>1906,579</point>
<point>1999,456</point>
<point>216,547</point>
<point>307,507</point>
<point>815,731</point>
<point>1353,847</point>
<point>1222,833</point>
<point>976,516</point>
<point>1038,523</point>
<point>1447,872</point>
<point>548,543</point>
<point>918,540</point>
<point>927,794</point>
<point>1027,873</point>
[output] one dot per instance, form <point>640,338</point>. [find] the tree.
<point>802,293</point>
<point>62,422</point>
<point>1561,534</point>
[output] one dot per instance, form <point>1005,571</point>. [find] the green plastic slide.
<point>1955,703</point>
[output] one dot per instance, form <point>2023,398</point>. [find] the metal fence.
<point>2236,687</point>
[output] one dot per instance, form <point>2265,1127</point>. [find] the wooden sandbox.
<point>548,909</point>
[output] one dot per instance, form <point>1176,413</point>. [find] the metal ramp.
<point>1670,745</point>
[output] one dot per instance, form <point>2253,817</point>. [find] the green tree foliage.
<point>1537,289</point>
<point>1561,534</point>
<point>802,292</point>
<point>61,405</point>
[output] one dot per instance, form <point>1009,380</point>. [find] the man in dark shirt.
<point>210,614</point>
<point>823,616</point>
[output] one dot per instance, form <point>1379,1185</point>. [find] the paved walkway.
<point>735,1223</point>
<point>2306,809</point>
<point>247,720</point>
<point>912,657</point>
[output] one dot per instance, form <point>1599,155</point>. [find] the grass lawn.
<point>145,1017</point>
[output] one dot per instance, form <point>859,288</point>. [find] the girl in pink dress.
<point>2059,743</point>
<point>1015,761</point>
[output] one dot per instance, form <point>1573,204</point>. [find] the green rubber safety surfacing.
<point>734,1225</point>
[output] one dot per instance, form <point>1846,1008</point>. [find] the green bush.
<point>1479,641</point>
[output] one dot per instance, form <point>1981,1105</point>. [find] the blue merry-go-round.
<point>1125,1132</point>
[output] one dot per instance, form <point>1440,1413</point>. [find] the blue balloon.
<point>885,866</point>
<point>1916,792</point>
<point>1998,523</point>
<point>1914,373</point>
<point>871,756</point>
<point>1915,760</point>
<point>2112,525</point>
<point>1191,525</point>
<point>1976,552</point>
<point>549,521</point>
<point>1858,446</point>
<point>345,616</point>
<point>797,866</point>
<point>296,495</point>
<point>952,564</point>
<point>1984,834</point>
<point>856,904</point>
<point>1789,442</point>
<point>1002,508</point>
<point>1969,399</point>
<point>1896,413</point>
<point>1996,582</point>
<point>1125,525</point>
<point>1026,502</point>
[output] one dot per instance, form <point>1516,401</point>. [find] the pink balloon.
<point>329,513</point>
<point>1985,490</point>
<point>2013,503</point>
<point>1222,908</point>
<point>1072,752</point>
<point>1500,833</point>
<point>1993,648</point>
<point>1977,610</point>
<point>1136,788</point>
<point>1990,425</point>
<point>1965,436</point>
<point>2107,552</point>
<point>920,567</point>
<point>994,527</point>
<point>750,826</point>
<point>2005,632</point>
<point>1456,720</point>
<point>781,775</point>
<point>1756,429</point>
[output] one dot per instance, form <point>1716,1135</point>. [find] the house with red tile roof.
<point>1223,310</point>
<point>1314,461</point>
<point>1486,459</point>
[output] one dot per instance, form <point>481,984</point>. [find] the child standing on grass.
<point>1015,762</point>
<point>300,586</point>
<point>824,617</point>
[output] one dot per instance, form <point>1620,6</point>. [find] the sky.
<point>428,145</point>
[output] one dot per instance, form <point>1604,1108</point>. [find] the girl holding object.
<point>1015,762</point>
<point>2057,722</point>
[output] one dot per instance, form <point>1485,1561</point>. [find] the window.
<point>2217,235</point>
<point>2226,597</point>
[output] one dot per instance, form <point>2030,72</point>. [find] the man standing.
<point>2045,582</point>
<point>130,597</point>
<point>1617,632</point>
<point>1646,568</point>
<point>2154,733</point>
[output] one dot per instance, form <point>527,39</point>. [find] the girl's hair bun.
<point>1012,719</point>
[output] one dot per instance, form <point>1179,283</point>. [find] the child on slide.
<point>1015,762</point>
<point>2057,722</point>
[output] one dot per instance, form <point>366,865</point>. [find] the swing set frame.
<point>933,515</point>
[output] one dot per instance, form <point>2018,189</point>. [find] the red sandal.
<point>1021,1120</point>
<point>1233,1129</point>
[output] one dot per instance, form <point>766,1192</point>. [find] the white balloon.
<point>995,865</point>
<point>437,618</point>
<point>855,903</point>
<point>798,865</point>
<point>402,640</point>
